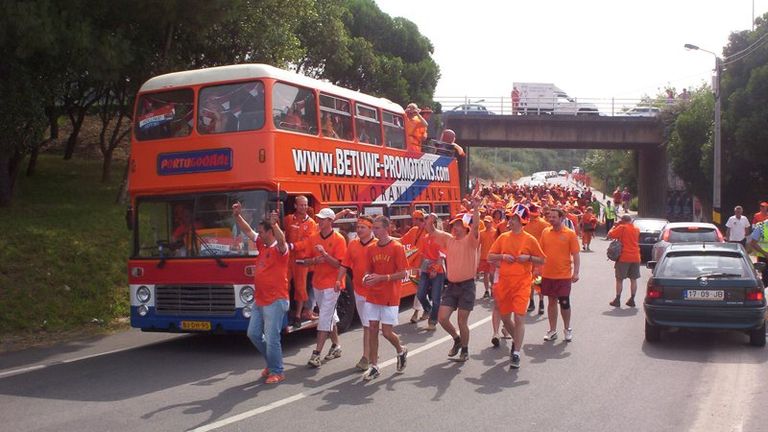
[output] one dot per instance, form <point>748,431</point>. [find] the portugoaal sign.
<point>200,161</point>
<point>377,178</point>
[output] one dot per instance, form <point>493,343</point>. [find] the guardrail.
<point>503,105</point>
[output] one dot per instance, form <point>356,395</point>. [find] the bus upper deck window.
<point>231,108</point>
<point>164,115</point>
<point>335,118</point>
<point>293,109</point>
<point>394,132</point>
<point>367,124</point>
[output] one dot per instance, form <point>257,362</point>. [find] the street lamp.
<point>718,150</point>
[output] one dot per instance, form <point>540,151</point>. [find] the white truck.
<point>547,98</point>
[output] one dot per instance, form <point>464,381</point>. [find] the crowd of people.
<point>518,239</point>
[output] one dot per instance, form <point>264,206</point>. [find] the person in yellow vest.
<point>758,241</point>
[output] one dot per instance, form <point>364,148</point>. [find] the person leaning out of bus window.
<point>271,294</point>
<point>415,127</point>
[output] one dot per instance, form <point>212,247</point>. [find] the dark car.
<point>705,286</point>
<point>650,232</point>
<point>685,232</point>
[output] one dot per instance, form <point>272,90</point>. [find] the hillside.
<point>510,164</point>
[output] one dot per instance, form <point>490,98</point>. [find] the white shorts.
<point>360,305</point>
<point>326,302</point>
<point>383,314</point>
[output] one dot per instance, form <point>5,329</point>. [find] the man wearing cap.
<point>328,249</point>
<point>628,265</point>
<point>535,227</point>
<point>516,251</point>
<point>413,241</point>
<point>562,249</point>
<point>462,247</point>
<point>356,260</point>
<point>299,227</point>
<point>762,215</point>
<point>415,127</point>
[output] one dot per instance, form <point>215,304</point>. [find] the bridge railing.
<point>503,105</point>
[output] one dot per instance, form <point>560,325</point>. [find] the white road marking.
<point>299,396</point>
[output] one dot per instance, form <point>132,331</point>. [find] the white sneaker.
<point>568,334</point>
<point>551,335</point>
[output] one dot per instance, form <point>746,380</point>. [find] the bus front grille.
<point>195,300</point>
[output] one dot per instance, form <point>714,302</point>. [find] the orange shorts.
<point>298,274</point>
<point>513,293</point>
<point>485,266</point>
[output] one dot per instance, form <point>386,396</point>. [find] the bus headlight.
<point>247,312</point>
<point>143,294</point>
<point>142,310</point>
<point>246,294</point>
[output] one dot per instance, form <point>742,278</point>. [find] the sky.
<point>589,48</point>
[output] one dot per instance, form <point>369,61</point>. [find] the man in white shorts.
<point>387,267</point>
<point>356,260</point>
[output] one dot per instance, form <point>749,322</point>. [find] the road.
<point>607,379</point>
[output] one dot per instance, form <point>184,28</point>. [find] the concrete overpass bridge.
<point>644,135</point>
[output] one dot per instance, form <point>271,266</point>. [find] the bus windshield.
<point>197,225</point>
<point>164,115</point>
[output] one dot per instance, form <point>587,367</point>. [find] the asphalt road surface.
<point>607,379</point>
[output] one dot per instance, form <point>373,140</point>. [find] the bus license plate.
<point>716,295</point>
<point>196,325</point>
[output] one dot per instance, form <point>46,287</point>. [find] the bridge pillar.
<point>652,181</point>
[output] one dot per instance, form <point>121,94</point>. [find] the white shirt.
<point>737,228</point>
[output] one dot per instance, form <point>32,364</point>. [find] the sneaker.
<point>275,379</point>
<point>495,342</point>
<point>314,360</point>
<point>431,326</point>
<point>371,373</point>
<point>531,306</point>
<point>464,356</point>
<point>541,309</point>
<point>615,302</point>
<point>265,373</point>
<point>631,302</point>
<point>568,334</point>
<point>551,335</point>
<point>486,294</point>
<point>401,360</point>
<point>334,352</point>
<point>455,348</point>
<point>514,361</point>
<point>362,365</point>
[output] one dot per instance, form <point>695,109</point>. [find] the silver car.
<point>685,232</point>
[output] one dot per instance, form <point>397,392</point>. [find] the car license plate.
<point>716,295</point>
<point>196,325</point>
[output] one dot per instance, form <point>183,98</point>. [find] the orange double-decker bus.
<point>261,136</point>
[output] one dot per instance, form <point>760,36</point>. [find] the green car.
<point>705,286</point>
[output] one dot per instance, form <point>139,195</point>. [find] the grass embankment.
<point>63,249</point>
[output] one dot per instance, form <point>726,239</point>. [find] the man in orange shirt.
<point>415,127</point>
<point>561,247</point>
<point>488,235</point>
<point>588,227</point>
<point>535,227</point>
<point>462,247</point>
<point>356,260</point>
<point>299,227</point>
<point>328,249</point>
<point>516,251</point>
<point>628,265</point>
<point>413,241</point>
<point>762,215</point>
<point>271,293</point>
<point>387,266</point>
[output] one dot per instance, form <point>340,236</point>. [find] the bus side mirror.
<point>129,218</point>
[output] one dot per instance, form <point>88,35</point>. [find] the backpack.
<point>614,250</point>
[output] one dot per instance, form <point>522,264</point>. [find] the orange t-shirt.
<point>413,241</point>
<point>487,237</point>
<point>758,217</point>
<point>501,227</point>
<point>558,246</point>
<point>432,252</point>
<point>516,244</point>
<point>385,260</point>
<point>415,131</point>
<point>356,260</point>
<point>536,226</point>
<point>629,236</point>
<point>298,231</point>
<point>324,276</point>
<point>589,220</point>
<point>461,256</point>
<point>271,275</point>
